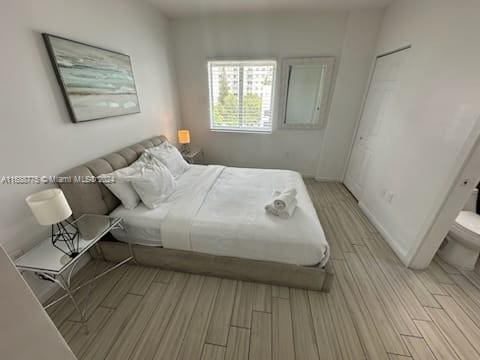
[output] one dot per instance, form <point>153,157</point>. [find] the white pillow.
<point>118,183</point>
<point>170,157</point>
<point>153,183</point>
<point>120,187</point>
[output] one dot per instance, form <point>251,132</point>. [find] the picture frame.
<point>96,83</point>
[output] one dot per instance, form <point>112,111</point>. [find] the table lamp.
<point>50,207</point>
<point>184,140</point>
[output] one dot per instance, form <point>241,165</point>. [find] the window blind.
<point>241,95</point>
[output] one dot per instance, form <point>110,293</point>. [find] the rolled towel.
<point>282,200</point>
<point>289,210</point>
<point>271,209</point>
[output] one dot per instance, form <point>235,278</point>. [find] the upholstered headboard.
<point>95,198</point>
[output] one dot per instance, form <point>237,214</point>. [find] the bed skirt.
<point>304,277</point>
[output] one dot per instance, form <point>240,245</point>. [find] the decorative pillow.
<point>170,157</point>
<point>153,183</point>
<point>120,187</point>
<point>119,184</point>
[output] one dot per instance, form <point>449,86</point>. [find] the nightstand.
<point>194,155</point>
<point>52,264</point>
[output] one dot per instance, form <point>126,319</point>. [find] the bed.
<point>214,223</point>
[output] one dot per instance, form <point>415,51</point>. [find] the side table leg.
<point>65,286</point>
<point>130,249</point>
<point>130,246</point>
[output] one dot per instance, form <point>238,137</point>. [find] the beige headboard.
<point>95,198</point>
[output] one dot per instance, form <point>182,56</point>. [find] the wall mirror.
<point>305,92</point>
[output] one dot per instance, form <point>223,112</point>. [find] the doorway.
<point>465,177</point>
<point>384,81</point>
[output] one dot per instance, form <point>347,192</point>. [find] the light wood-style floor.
<point>377,309</point>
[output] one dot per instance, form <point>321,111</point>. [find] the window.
<point>241,95</point>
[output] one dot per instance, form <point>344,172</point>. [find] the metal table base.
<point>65,284</point>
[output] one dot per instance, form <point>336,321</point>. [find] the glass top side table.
<point>50,263</point>
<point>194,155</point>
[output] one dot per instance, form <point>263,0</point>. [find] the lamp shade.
<point>49,206</point>
<point>184,136</point>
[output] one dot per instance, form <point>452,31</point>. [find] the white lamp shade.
<point>49,206</point>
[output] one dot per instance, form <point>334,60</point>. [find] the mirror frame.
<point>329,62</point>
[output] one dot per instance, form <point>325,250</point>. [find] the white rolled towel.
<point>282,200</point>
<point>285,213</point>
<point>271,209</point>
<point>289,210</point>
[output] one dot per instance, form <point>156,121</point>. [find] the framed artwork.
<point>96,83</point>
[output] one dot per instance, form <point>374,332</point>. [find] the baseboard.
<point>327,179</point>
<point>392,242</point>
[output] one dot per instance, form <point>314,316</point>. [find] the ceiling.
<point>181,8</point>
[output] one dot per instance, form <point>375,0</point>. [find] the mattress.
<point>220,210</point>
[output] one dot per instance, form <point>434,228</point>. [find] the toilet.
<point>461,247</point>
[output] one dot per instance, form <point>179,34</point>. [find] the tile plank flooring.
<point>376,309</point>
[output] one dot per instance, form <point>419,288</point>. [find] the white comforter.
<point>224,214</point>
<point>220,211</point>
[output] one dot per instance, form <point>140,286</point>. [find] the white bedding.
<point>220,211</point>
<point>142,225</point>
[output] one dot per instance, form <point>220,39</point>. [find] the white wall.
<point>27,332</point>
<point>276,36</point>
<point>36,136</point>
<point>355,65</point>
<point>421,140</point>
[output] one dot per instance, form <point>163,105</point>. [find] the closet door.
<point>382,87</point>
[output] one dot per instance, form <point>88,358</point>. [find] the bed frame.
<point>95,198</point>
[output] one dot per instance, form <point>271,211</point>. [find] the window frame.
<point>232,129</point>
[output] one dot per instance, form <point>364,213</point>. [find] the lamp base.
<point>185,148</point>
<point>68,234</point>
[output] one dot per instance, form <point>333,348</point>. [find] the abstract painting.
<point>95,82</point>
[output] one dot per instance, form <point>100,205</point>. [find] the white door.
<point>384,82</point>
